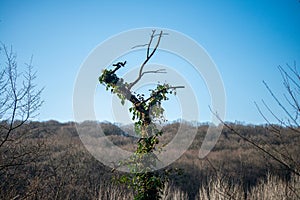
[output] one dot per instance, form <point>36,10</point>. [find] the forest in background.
<point>47,160</point>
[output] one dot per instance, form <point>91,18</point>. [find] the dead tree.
<point>20,100</point>
<point>148,184</point>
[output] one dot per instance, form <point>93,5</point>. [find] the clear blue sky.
<point>246,39</point>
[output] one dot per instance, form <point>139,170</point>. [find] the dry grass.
<point>272,188</point>
<point>276,189</point>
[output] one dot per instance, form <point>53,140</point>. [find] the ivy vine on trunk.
<point>143,177</point>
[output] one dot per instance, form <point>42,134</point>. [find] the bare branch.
<point>282,162</point>
<point>140,45</point>
<point>280,104</point>
<point>286,77</point>
<point>161,71</point>
<point>17,104</point>
<point>294,70</point>
<point>148,56</point>
<point>118,66</point>
<point>147,44</point>
<point>265,118</point>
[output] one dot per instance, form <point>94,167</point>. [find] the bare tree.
<point>20,100</point>
<point>288,119</point>
<point>286,125</point>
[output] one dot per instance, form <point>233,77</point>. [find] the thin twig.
<point>280,104</point>
<point>148,56</point>
<point>256,145</point>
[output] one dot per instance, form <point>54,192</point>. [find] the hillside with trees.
<point>59,167</point>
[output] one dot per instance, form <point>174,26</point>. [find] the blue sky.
<point>246,39</point>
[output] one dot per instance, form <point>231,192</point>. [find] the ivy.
<point>143,178</point>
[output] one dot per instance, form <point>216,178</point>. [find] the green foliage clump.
<point>147,183</point>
